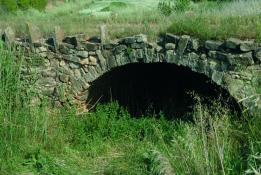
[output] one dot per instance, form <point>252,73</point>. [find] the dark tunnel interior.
<point>145,89</point>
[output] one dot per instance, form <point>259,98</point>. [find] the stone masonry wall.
<point>64,67</point>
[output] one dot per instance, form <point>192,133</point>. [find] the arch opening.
<point>154,88</point>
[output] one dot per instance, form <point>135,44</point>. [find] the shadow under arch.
<point>151,88</point>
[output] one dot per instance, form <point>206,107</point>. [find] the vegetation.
<point>206,19</point>
<point>14,5</point>
<point>43,140</point>
<point>40,139</point>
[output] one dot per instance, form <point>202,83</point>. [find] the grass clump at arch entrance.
<point>43,140</point>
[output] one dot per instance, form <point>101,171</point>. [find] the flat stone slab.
<point>34,33</point>
<point>8,35</point>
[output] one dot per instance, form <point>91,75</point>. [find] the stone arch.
<point>73,62</point>
<point>216,60</point>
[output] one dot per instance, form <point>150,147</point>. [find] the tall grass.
<point>11,100</point>
<point>12,128</point>
<point>22,126</point>
<point>212,146</point>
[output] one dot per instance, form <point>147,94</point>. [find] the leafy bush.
<point>40,5</point>
<point>10,5</point>
<point>181,5</point>
<point>168,6</point>
<point>165,8</point>
<point>13,5</point>
<point>23,4</point>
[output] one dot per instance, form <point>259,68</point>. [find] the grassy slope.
<point>132,19</point>
<point>237,19</point>
<point>206,20</point>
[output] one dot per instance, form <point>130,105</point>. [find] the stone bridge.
<point>65,67</point>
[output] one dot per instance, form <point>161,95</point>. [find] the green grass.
<point>44,140</point>
<point>232,19</point>
<point>205,19</point>
<point>113,6</point>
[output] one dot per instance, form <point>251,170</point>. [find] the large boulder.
<point>34,33</point>
<point>213,45</point>
<point>247,46</point>
<point>233,43</point>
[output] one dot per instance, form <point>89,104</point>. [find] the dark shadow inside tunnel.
<point>145,89</point>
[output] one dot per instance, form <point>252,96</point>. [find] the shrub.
<point>40,5</point>
<point>13,5</point>
<point>23,4</point>
<point>165,8</point>
<point>181,5</point>
<point>9,5</point>
<point>168,6</point>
